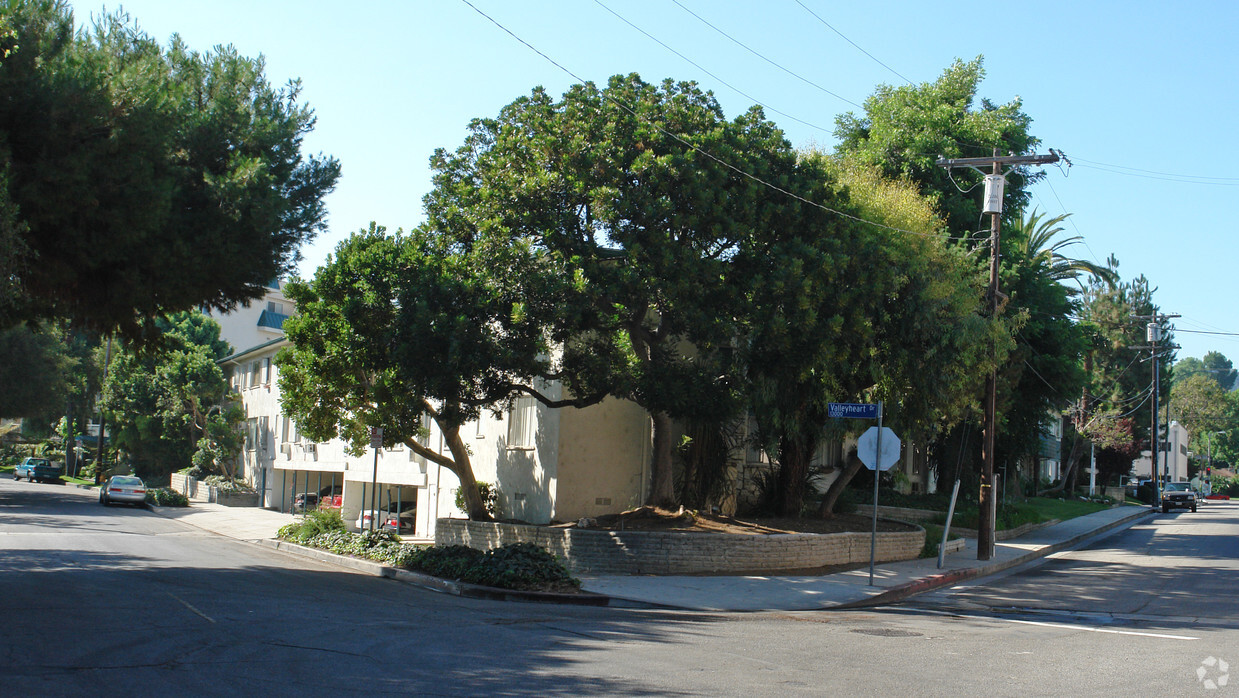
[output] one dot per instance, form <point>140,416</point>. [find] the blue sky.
<point>1141,96</point>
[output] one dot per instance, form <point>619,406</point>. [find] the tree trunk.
<point>463,468</point>
<point>795,452</point>
<point>662,481</point>
<point>836,488</point>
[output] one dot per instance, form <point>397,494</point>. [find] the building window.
<point>522,421</point>
<point>251,434</point>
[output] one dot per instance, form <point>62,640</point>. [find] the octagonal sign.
<point>867,446</point>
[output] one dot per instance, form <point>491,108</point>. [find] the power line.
<point>853,43</point>
<point>759,55</point>
<point>707,72</point>
<point>1155,172</point>
<point>693,147</point>
<point>1181,179</point>
<point>1220,334</point>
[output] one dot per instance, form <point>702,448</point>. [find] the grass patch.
<point>1063,509</point>
<point>78,480</point>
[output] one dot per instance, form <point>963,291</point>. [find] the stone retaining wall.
<point>899,513</point>
<point>676,552</point>
<point>1008,533</point>
<point>198,492</point>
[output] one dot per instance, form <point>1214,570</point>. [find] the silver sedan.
<point>123,489</point>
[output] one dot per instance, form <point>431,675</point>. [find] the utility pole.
<point>994,184</point>
<point>1153,333</point>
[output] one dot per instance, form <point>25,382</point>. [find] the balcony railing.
<point>272,319</point>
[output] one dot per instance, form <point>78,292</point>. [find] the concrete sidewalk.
<point>893,581</point>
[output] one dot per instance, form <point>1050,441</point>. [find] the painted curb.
<point>920,586</point>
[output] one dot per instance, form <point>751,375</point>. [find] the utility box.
<point>994,185</point>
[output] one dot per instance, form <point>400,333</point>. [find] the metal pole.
<point>946,528</point>
<point>877,470</point>
<point>374,488</point>
<point>99,458</point>
<point>1092,469</point>
<point>1155,442</point>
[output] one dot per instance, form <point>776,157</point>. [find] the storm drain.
<point>885,632</point>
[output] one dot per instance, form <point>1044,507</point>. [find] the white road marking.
<point>190,606</point>
<point>1099,630</point>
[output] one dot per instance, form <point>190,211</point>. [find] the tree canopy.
<point>906,128</point>
<point>634,193</point>
<point>169,405</point>
<point>140,181</point>
<point>397,330</point>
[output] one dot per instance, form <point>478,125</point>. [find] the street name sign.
<point>851,410</point>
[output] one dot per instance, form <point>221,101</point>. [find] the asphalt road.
<point>118,601</point>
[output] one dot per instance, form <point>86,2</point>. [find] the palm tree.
<point>1035,241</point>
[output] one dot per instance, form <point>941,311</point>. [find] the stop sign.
<point>867,448</point>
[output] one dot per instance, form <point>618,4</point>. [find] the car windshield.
<point>1178,486</point>
<point>37,461</point>
<point>127,481</point>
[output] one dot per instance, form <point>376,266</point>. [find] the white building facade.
<point>545,464</point>
<point>1172,459</point>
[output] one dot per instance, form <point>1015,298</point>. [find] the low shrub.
<point>489,494</point>
<point>224,484</point>
<point>166,497</point>
<point>311,525</point>
<point>933,537</point>
<point>519,566</point>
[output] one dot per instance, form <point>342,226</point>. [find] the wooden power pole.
<point>987,499</point>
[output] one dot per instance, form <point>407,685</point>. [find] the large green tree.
<point>169,400</point>
<point>395,331</point>
<point>842,310</point>
<point>142,180</point>
<point>1119,376</point>
<point>637,194</point>
<point>1215,365</point>
<point>906,128</point>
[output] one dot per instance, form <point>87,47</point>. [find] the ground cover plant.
<point>519,566</point>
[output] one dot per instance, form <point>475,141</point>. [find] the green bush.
<point>1145,493</point>
<point>933,537</point>
<point>521,566</point>
<point>166,497</point>
<point>312,524</point>
<point>225,484</point>
<point>490,498</point>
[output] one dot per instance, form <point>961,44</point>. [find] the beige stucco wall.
<point>604,453</point>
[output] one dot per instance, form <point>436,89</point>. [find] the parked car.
<point>326,498</point>
<point>1178,495</point>
<point>123,489</point>
<point>399,516</point>
<point>38,470</point>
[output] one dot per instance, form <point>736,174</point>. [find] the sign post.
<point>376,442</point>
<point>878,448</point>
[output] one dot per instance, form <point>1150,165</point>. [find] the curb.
<point>438,584</point>
<point>920,586</point>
